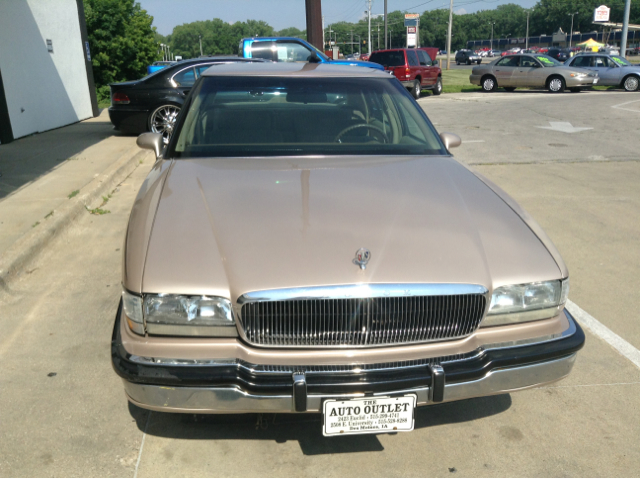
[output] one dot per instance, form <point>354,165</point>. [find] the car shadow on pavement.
<point>304,428</point>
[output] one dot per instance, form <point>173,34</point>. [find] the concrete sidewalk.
<point>48,179</point>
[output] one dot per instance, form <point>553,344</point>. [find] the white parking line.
<point>144,435</point>
<point>619,107</point>
<point>596,327</point>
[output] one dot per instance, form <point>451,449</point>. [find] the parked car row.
<point>542,71</point>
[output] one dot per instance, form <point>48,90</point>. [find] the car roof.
<point>306,70</point>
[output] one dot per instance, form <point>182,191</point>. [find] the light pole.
<point>625,29</point>
<point>359,44</point>
<point>492,24</point>
<point>449,35</point>
<point>200,36</point>
<point>527,39</point>
<point>571,34</point>
<point>162,48</point>
<point>368,12</point>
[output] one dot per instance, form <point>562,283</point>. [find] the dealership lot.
<point>581,186</point>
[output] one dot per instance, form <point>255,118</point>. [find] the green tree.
<point>121,39</point>
<point>292,32</point>
<point>218,37</point>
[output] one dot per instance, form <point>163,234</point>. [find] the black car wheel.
<point>468,62</point>
<point>457,62</point>
<point>163,119</point>
<point>556,84</point>
<point>416,90</point>
<point>488,83</point>
<point>438,88</point>
<point>631,83</point>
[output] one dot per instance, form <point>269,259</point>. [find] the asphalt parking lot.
<point>571,160</point>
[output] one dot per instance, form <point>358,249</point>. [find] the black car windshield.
<point>388,59</point>
<point>548,61</point>
<point>276,116</point>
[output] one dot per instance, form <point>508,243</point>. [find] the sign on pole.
<point>601,14</point>
<point>411,19</point>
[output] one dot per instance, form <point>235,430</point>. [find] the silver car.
<point>531,71</point>
<point>613,70</point>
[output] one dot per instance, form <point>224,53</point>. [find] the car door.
<point>292,52</point>
<point>607,75</point>
<point>414,64</point>
<point>528,73</point>
<point>429,73</point>
<point>611,72</point>
<point>505,68</point>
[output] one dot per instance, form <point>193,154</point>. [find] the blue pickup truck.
<point>291,49</point>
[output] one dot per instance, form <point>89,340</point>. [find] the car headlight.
<point>519,303</point>
<point>179,315</point>
<point>579,75</point>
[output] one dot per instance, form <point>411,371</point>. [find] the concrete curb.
<point>31,244</point>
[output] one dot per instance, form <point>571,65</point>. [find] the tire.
<point>457,62</point>
<point>163,120</point>
<point>468,62</point>
<point>488,83</point>
<point>510,88</point>
<point>437,89</point>
<point>416,90</point>
<point>631,83</point>
<point>556,84</point>
<point>575,90</point>
<point>479,62</point>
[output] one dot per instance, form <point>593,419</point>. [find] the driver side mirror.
<point>450,140</point>
<point>314,58</point>
<point>151,141</point>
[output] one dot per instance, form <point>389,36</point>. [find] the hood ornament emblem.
<point>363,255</point>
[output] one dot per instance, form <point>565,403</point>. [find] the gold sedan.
<point>531,71</point>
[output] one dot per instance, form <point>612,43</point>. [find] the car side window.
<point>292,52</point>
<point>424,61</point>
<point>600,62</point>
<point>186,77</point>
<point>608,62</point>
<point>509,62</point>
<point>262,50</point>
<point>200,69</point>
<point>527,62</point>
<point>413,58</point>
<point>581,62</point>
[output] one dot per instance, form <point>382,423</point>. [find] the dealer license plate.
<point>371,415</point>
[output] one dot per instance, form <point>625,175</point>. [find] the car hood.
<point>229,226</point>
<point>357,63</point>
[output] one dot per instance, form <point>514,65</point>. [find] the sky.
<point>290,13</point>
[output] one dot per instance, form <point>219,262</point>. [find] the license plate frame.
<point>391,415</point>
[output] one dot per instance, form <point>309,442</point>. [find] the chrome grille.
<point>359,322</point>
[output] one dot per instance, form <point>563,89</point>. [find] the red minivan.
<point>416,68</point>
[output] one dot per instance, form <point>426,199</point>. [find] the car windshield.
<point>275,116</point>
<point>620,61</point>
<point>548,61</point>
<point>389,59</point>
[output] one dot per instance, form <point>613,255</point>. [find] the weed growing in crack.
<point>73,193</point>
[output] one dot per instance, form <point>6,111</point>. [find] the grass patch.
<point>98,211</point>
<point>104,104</point>
<point>73,193</point>
<point>49,215</point>
<point>35,224</point>
<point>457,80</point>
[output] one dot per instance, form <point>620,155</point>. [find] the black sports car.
<point>153,102</point>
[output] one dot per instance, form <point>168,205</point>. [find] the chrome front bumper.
<point>231,400</point>
<point>236,386</point>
